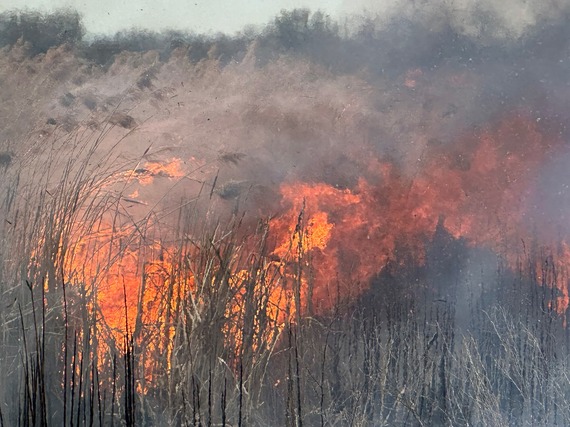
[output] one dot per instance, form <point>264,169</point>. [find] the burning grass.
<point>317,248</point>
<point>138,308</point>
<point>143,322</point>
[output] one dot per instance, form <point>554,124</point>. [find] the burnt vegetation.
<point>461,339</point>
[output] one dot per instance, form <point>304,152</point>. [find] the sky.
<point>200,16</point>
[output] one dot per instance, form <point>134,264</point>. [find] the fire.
<point>329,241</point>
<point>122,272</point>
<point>146,173</point>
<point>479,189</point>
<point>270,289</point>
<point>316,236</point>
<point>138,283</point>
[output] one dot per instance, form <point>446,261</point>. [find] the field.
<point>314,223</point>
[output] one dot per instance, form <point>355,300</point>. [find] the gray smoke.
<point>482,20</point>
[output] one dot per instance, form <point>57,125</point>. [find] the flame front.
<point>479,190</point>
<point>329,241</point>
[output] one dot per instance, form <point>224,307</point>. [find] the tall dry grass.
<point>228,338</point>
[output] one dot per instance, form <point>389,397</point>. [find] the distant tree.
<point>41,31</point>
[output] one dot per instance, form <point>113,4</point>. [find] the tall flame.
<point>330,240</point>
<point>480,189</point>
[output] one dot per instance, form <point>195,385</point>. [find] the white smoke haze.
<point>301,99</point>
<point>316,117</point>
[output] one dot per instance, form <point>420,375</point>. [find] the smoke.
<point>447,110</point>
<point>411,166</point>
<point>485,21</point>
<point>550,205</point>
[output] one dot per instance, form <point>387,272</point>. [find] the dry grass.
<point>118,310</point>
<point>220,335</point>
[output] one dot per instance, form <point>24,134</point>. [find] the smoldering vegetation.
<point>464,336</point>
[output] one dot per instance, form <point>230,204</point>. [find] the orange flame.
<point>479,188</point>
<point>150,170</point>
<point>331,241</point>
